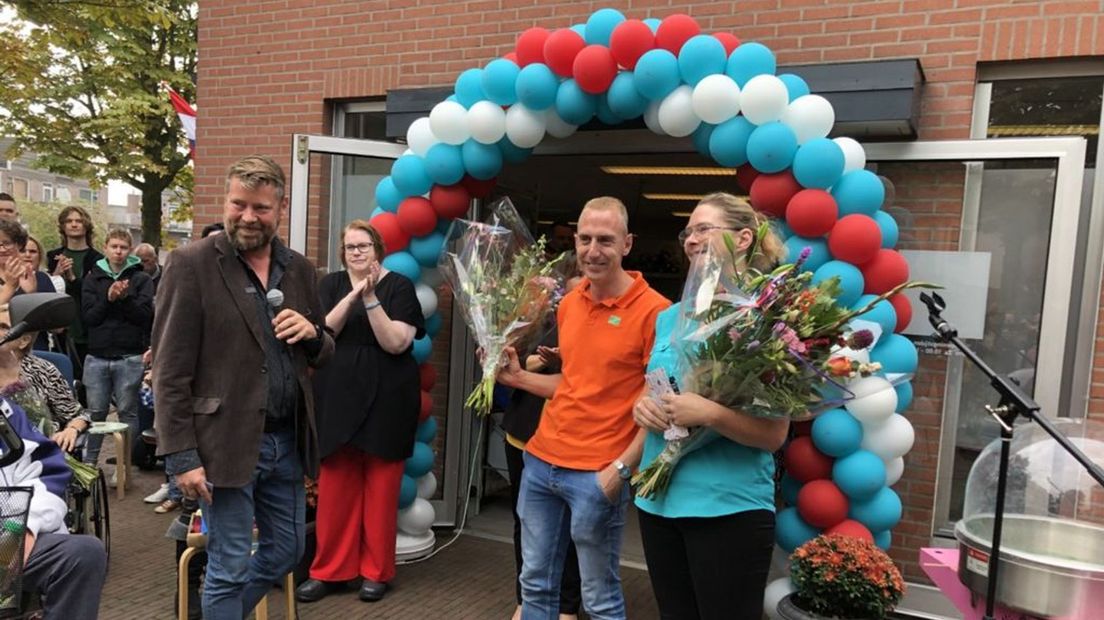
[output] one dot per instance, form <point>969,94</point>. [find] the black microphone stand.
<point>1014,402</point>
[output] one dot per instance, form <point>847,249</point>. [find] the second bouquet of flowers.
<point>505,286</point>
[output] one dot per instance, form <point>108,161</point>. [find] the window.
<point>47,192</point>
<point>89,195</point>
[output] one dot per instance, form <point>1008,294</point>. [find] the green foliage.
<point>40,218</point>
<point>82,90</point>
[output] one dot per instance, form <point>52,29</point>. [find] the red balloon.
<point>560,50</point>
<point>427,406</point>
<point>770,193</point>
<point>729,41</point>
<point>450,201</point>
<point>803,428</point>
<point>805,463</point>
<point>854,529</point>
<point>629,41</point>
<point>594,69</point>
<point>417,216</point>
<point>887,269</point>
<point>478,188</point>
<point>512,57</point>
<point>903,306</point>
<point>394,237</point>
<point>676,30</point>
<point>812,213</point>
<point>821,504</point>
<point>855,238</point>
<point>427,374</point>
<point>530,46</point>
<point>745,176</point>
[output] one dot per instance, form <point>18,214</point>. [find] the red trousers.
<point>355,526</point>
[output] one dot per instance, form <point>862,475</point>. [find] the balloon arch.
<point>726,96</point>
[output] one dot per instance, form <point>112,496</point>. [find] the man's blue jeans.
<point>107,378</point>
<point>275,500</point>
<point>556,504</point>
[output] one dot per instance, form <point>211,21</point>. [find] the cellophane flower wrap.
<point>506,287</point>
<point>765,344</point>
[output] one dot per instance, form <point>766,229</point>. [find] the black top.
<point>366,397</point>
<point>122,327</point>
<point>524,411</point>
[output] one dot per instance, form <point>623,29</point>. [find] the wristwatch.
<point>623,470</point>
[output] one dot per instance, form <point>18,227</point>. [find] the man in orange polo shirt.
<point>577,465</point>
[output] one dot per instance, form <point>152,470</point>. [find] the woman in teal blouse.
<point>708,539</point>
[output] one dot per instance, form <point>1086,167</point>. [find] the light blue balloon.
<point>433,324</point>
<point>423,347</point>
<point>426,250</point>
<point>701,136</point>
<point>703,55</point>
<point>794,85</point>
<point>818,163</point>
<point>896,354</point>
<point>499,77</point>
<point>388,196</point>
<point>790,487</point>
<point>883,539</point>
<point>860,475</point>
<point>600,26</point>
<point>882,313</point>
<point>624,99</point>
<point>403,263</point>
<point>427,430</point>
<point>580,29</point>
<point>782,229</point>
<point>729,141</point>
<point>408,491</point>
<point>851,280</point>
<point>575,106</point>
<point>513,153</point>
<point>410,177</point>
<point>657,74</point>
<point>375,212</point>
<point>653,23</point>
<point>444,163</point>
<point>890,232</point>
<point>469,87</point>
<point>482,161</point>
<point>818,257</point>
<point>536,86</point>
<point>880,512</point>
<point>419,462</point>
<point>904,395</point>
<point>837,433</point>
<point>790,531</point>
<point>605,114</point>
<point>859,191</point>
<point>749,60</point>
<point>771,147</point>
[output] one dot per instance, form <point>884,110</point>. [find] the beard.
<point>264,235</point>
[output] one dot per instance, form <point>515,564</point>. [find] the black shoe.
<point>372,591</point>
<point>313,590</point>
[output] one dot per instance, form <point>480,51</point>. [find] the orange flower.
<point>839,367</point>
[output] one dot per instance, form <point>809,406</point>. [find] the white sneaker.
<point>156,497</point>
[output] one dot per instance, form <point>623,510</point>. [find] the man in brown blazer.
<point>238,324</point>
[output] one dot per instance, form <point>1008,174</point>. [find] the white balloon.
<point>556,126</point>
<point>764,99</point>
<point>486,122</point>
<point>416,518</point>
<point>524,127</point>
<point>895,468</point>
<point>890,439</point>
<point>407,152</point>
<point>775,592</point>
<point>809,116</point>
<point>419,136</point>
<point>449,121</point>
<point>716,99</point>
<point>651,118</point>
<point>875,400</point>
<point>427,297</point>
<point>427,485</point>
<point>432,277</point>
<point>676,112</point>
<point>854,157</point>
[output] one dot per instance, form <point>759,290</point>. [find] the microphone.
<point>275,298</point>
<point>17,331</point>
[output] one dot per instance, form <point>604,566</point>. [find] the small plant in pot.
<point>841,577</point>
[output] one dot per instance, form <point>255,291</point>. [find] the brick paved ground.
<point>472,579</point>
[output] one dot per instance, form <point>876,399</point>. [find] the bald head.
<point>148,255</point>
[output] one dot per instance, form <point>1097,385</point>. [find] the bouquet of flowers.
<point>768,344</point>
<point>38,413</point>
<point>845,577</point>
<point>505,286</point>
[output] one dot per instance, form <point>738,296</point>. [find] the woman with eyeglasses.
<point>367,401</point>
<point>708,539</point>
<point>16,276</point>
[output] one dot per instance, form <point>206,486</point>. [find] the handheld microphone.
<point>275,298</point>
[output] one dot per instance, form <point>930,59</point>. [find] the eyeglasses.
<point>7,245</point>
<point>700,230</point>
<point>362,248</point>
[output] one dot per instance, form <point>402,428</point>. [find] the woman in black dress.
<point>367,402</point>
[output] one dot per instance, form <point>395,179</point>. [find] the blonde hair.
<point>41,251</point>
<point>373,234</point>
<point>121,234</point>
<point>608,204</point>
<point>739,214</point>
<point>256,170</point>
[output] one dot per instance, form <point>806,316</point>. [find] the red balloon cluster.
<point>395,239</point>
<point>805,463</point>
<point>812,212</point>
<point>852,528</point>
<point>530,46</point>
<point>770,193</point>
<point>417,216</point>
<point>729,41</point>
<point>450,201</point>
<point>427,406</point>
<point>903,307</point>
<point>427,375</point>
<point>594,69</point>
<point>855,238</point>
<point>560,50</point>
<point>676,30</point>
<point>822,504</point>
<point>886,270</point>
<point>629,41</point>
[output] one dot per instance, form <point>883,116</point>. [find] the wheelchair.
<point>89,512</point>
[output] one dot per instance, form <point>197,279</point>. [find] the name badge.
<point>615,320</point>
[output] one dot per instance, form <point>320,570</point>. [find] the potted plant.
<point>841,577</point>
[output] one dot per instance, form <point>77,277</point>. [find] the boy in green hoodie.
<point>117,308</point>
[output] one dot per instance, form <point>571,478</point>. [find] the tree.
<point>81,88</point>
